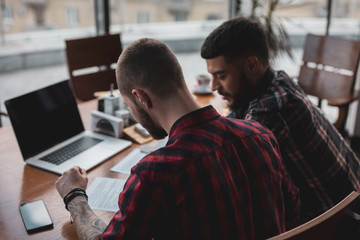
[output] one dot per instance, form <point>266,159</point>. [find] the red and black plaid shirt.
<point>216,178</point>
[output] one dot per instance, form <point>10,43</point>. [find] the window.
<point>180,17</point>
<point>8,14</point>
<point>73,16</point>
<point>212,17</point>
<point>142,17</point>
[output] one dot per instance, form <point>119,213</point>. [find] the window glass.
<point>158,11</point>
<point>46,15</point>
<point>143,17</point>
<point>33,32</point>
<point>73,16</point>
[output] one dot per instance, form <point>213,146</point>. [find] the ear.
<point>252,64</point>
<point>142,96</point>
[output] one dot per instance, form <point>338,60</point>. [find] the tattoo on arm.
<point>87,224</point>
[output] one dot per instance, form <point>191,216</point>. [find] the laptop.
<point>50,132</point>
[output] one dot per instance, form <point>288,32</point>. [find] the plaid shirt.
<point>317,158</point>
<point>216,178</point>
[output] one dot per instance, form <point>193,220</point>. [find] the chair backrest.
<point>336,223</point>
<point>90,63</point>
<point>329,71</point>
<point>329,66</point>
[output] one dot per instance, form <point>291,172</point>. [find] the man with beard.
<point>318,159</point>
<point>216,178</point>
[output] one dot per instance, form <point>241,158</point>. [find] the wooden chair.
<point>339,222</point>
<point>329,71</point>
<point>91,63</point>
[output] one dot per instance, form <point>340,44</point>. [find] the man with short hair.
<point>318,159</point>
<point>216,178</point>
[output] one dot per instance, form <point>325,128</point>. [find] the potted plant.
<point>263,12</point>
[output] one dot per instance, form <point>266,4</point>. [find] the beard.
<point>146,121</point>
<point>241,97</point>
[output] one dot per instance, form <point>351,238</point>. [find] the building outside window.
<point>8,17</point>
<point>143,17</point>
<point>73,16</point>
<point>180,17</point>
<point>8,13</point>
<point>32,32</point>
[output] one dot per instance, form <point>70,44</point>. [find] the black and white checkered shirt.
<point>318,159</point>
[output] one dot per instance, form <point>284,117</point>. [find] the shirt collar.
<point>264,83</point>
<point>193,118</point>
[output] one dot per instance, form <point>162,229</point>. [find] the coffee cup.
<point>203,83</point>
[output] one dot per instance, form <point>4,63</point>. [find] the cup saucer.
<point>198,91</point>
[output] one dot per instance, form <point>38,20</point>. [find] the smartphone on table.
<point>35,216</point>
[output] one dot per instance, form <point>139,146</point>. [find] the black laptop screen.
<point>44,118</point>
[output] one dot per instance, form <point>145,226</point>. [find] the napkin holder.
<point>106,124</point>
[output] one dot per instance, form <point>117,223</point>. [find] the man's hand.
<point>76,177</point>
<point>87,224</point>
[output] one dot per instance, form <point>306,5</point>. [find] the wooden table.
<point>20,183</point>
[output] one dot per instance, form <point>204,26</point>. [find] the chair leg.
<point>2,114</point>
<point>341,120</point>
<point>319,102</point>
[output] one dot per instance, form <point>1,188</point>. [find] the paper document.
<point>104,193</point>
<point>154,145</point>
<point>125,165</point>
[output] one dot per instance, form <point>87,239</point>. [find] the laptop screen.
<point>44,118</point>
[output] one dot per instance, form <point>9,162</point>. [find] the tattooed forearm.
<point>87,224</point>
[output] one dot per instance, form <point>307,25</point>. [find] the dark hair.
<point>237,37</point>
<point>150,64</point>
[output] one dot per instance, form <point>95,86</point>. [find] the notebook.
<point>50,132</point>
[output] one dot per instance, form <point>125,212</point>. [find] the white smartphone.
<point>35,216</point>
<point>140,129</point>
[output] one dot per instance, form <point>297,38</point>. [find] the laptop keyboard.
<point>70,150</point>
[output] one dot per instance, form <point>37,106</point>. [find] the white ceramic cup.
<point>203,83</point>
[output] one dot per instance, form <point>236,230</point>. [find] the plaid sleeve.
<point>271,118</point>
<point>291,199</point>
<point>288,189</point>
<point>267,112</point>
